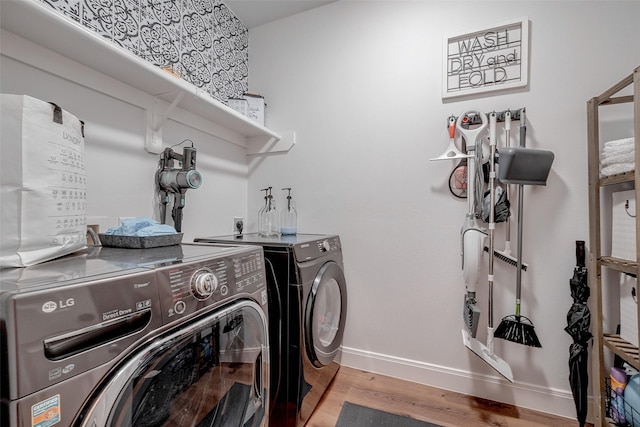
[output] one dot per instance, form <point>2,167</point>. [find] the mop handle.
<point>523,128</point>
<point>492,197</point>
<point>519,254</point>
<point>471,170</point>
<point>523,135</point>
<point>507,132</point>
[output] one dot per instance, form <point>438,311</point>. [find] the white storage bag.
<point>43,187</point>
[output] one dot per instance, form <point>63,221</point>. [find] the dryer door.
<point>325,314</point>
<point>213,372</point>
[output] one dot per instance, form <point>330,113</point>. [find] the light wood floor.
<point>423,403</point>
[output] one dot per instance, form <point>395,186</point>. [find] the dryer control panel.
<point>314,249</point>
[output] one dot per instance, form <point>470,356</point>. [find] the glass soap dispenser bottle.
<point>262,214</point>
<point>289,217</point>
<point>272,217</point>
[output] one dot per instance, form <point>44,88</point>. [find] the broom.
<point>505,255</point>
<point>518,328</point>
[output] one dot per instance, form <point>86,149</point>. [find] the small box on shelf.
<point>241,105</point>
<point>251,105</point>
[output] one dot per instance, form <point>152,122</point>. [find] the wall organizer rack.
<point>605,340</point>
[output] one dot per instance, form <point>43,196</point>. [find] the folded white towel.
<point>617,156</point>
<point>620,158</point>
<point>617,168</point>
<point>617,149</point>
<point>619,142</point>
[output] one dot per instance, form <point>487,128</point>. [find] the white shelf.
<point>39,24</point>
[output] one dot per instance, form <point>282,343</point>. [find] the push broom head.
<point>505,257</point>
<point>518,329</point>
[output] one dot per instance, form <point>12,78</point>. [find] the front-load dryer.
<point>308,307</point>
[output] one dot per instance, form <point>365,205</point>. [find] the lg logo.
<point>51,306</point>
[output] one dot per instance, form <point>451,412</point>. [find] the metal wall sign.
<point>485,60</point>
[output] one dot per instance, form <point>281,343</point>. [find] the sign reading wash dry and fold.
<point>486,60</point>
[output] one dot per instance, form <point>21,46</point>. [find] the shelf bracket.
<point>156,118</point>
<point>270,144</point>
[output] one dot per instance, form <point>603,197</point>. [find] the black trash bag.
<point>502,205</point>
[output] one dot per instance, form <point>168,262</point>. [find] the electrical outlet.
<point>238,224</point>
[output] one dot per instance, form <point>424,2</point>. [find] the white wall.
<point>120,173</point>
<point>360,82</point>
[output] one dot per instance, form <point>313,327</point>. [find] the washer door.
<point>210,372</point>
<point>325,314</point>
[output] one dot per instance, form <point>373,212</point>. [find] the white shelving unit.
<point>90,55</point>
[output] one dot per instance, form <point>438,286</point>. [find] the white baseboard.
<point>551,401</point>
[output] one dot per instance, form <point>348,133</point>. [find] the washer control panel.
<point>187,288</point>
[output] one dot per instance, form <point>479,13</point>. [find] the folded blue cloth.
<point>141,227</point>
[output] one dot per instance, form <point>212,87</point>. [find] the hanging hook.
<point>626,209</point>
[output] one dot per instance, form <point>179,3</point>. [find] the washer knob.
<point>326,246</point>
<point>180,307</point>
<point>204,284</point>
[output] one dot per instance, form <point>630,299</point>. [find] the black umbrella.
<point>578,323</point>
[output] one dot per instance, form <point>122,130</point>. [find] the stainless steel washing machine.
<point>173,336</point>
<point>308,306</point>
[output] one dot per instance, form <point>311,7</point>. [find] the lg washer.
<point>136,337</point>
<point>308,306</point>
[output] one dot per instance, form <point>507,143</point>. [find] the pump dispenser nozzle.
<point>288,189</point>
